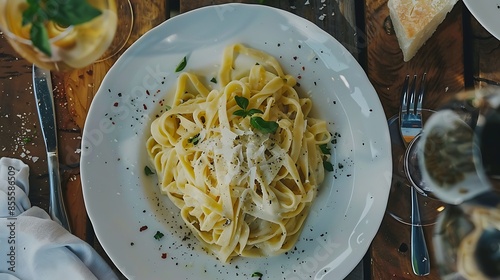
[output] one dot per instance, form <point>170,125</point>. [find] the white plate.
<point>487,12</point>
<point>120,198</point>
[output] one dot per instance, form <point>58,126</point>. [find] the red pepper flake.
<point>143,228</point>
<point>145,107</point>
<point>303,68</point>
<point>164,255</point>
<point>116,104</point>
<point>299,77</point>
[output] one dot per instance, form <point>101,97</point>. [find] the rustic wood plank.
<point>441,57</point>
<point>486,61</point>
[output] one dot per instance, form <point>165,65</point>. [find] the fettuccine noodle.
<point>241,191</point>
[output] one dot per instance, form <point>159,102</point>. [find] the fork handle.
<point>419,254</point>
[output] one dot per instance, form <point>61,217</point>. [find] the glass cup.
<point>459,148</point>
<point>72,47</point>
<point>407,175</point>
<point>459,158</point>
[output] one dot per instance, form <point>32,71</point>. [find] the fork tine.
<point>404,96</point>
<point>412,104</point>
<point>420,97</point>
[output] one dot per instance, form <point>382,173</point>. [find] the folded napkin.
<point>32,246</point>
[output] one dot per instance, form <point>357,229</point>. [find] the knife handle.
<point>57,211</point>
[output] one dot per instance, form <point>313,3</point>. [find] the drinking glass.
<point>72,47</point>
<point>459,158</point>
<point>406,175</point>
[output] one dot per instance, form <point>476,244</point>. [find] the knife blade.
<point>42,88</point>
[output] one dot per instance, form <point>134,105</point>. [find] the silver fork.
<point>410,125</point>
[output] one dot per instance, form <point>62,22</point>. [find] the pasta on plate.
<point>242,162</point>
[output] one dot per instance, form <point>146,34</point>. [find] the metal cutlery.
<point>42,87</point>
<point>410,124</point>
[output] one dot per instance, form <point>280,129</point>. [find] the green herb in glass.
<point>64,13</point>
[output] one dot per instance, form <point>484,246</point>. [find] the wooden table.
<point>461,54</point>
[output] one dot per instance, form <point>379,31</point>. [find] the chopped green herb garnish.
<point>242,102</point>
<point>63,13</point>
<point>257,122</point>
<point>195,139</point>
<point>324,149</point>
<point>181,65</point>
<point>263,125</point>
<point>148,171</point>
<point>240,113</point>
<point>158,235</point>
<point>328,166</point>
<point>254,111</point>
<point>167,107</point>
<point>213,80</point>
<point>257,274</point>
<point>26,140</point>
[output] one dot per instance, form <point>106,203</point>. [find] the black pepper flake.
<point>115,104</point>
<point>295,58</point>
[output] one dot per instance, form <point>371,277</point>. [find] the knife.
<point>42,87</point>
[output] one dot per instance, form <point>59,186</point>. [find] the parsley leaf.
<point>242,102</point>
<point>328,166</point>
<point>158,235</point>
<point>254,111</point>
<point>257,122</point>
<point>195,139</point>
<point>325,149</point>
<point>263,125</point>
<point>257,274</point>
<point>241,113</point>
<point>181,65</point>
<point>148,171</point>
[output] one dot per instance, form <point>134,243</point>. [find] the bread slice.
<point>415,21</point>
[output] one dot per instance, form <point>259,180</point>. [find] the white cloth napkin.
<point>32,246</point>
